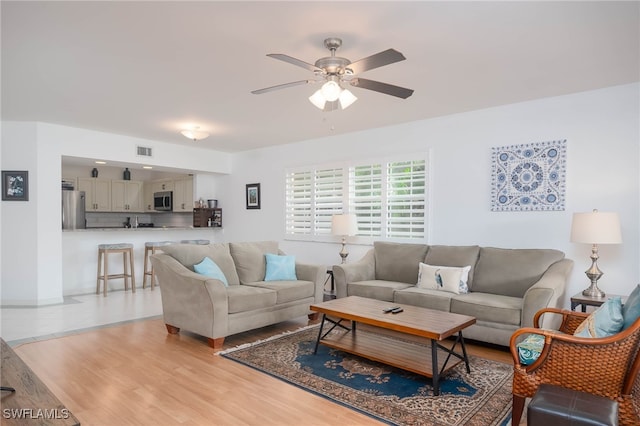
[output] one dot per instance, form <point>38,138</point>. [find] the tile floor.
<point>77,313</point>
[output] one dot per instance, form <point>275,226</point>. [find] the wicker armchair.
<point>606,366</point>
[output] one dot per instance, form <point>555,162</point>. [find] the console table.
<point>32,402</point>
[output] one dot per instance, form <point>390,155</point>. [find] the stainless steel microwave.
<point>163,201</point>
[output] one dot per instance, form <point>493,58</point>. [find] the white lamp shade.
<point>346,98</point>
<point>344,224</point>
<point>596,228</point>
<point>331,91</point>
<point>318,99</point>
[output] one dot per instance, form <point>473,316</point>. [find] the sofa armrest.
<point>315,274</point>
<point>363,269</point>
<point>189,300</point>
<point>546,292</point>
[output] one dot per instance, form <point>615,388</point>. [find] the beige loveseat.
<point>207,307</point>
<point>506,286</point>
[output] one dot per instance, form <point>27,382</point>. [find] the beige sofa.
<point>207,307</point>
<point>506,286</point>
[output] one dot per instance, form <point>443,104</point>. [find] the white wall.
<point>603,167</point>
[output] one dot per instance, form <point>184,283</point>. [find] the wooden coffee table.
<point>428,323</point>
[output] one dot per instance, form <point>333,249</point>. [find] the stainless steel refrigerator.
<point>73,216</point>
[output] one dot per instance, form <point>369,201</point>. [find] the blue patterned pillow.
<point>210,269</point>
<point>529,349</point>
<point>605,321</point>
<point>280,268</point>
<point>631,309</point>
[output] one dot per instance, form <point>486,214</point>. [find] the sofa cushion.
<point>398,261</point>
<point>190,254</point>
<point>631,309</point>
<point>605,321</point>
<point>243,298</point>
<point>210,269</point>
<point>287,291</point>
<point>280,268</point>
<point>454,256</point>
<point>488,307</point>
<point>249,259</point>
<point>511,272</point>
<point>425,298</point>
<point>445,278</point>
<point>375,289</point>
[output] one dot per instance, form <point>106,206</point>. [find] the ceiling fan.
<point>336,72</point>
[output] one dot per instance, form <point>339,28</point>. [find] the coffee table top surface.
<point>413,320</point>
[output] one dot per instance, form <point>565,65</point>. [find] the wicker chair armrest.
<point>570,319</point>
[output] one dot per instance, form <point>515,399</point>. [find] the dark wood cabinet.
<point>201,218</point>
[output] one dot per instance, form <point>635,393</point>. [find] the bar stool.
<point>104,250</point>
<point>149,249</point>
<point>201,242</point>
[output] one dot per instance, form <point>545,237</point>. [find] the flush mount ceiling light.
<point>334,72</point>
<point>195,134</point>
<point>100,162</point>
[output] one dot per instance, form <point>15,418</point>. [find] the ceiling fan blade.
<point>387,89</point>
<point>386,57</point>
<point>281,86</point>
<point>294,61</point>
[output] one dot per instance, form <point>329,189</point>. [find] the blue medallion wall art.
<point>529,177</point>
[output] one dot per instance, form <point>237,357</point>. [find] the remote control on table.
<point>397,310</point>
<point>387,310</point>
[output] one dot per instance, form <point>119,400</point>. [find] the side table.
<point>331,294</point>
<point>581,299</point>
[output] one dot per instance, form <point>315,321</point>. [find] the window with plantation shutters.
<point>389,198</point>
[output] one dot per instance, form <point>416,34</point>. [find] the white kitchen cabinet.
<point>162,185</point>
<point>183,195</point>
<point>97,196</point>
<point>126,196</point>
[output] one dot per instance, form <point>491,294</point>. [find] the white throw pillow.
<point>447,278</point>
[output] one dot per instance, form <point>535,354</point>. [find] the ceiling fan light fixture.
<point>331,91</point>
<point>194,134</point>
<point>347,98</point>
<point>318,99</point>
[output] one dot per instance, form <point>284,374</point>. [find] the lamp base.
<point>593,291</point>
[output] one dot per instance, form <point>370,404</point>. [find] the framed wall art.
<point>15,185</point>
<point>529,177</point>
<point>253,196</point>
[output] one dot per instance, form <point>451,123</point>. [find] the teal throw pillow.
<point>605,321</point>
<point>529,349</point>
<point>631,309</point>
<point>210,269</point>
<point>280,268</point>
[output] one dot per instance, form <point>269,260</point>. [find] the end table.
<point>581,299</point>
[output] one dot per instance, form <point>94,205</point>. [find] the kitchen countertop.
<point>155,228</point>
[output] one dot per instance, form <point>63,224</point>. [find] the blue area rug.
<point>391,395</point>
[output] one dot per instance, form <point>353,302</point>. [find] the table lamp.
<point>595,228</point>
<point>344,225</point>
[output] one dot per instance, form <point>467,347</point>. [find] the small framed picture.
<point>15,185</point>
<point>253,196</point>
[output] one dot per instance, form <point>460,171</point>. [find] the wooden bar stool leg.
<point>153,275</point>
<point>146,264</point>
<point>99,271</point>
<point>105,277</point>
<point>133,274</point>
<point>126,273</point>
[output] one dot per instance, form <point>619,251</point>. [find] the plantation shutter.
<point>365,198</point>
<point>298,208</point>
<point>328,198</point>
<point>406,199</point>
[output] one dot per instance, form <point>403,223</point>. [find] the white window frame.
<point>318,230</point>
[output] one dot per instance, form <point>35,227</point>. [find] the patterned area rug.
<point>394,396</point>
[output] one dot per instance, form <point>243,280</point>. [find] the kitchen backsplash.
<point>111,220</point>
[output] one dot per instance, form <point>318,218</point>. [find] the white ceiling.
<point>148,69</point>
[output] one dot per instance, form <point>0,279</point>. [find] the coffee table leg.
<point>434,368</point>
<point>315,350</point>
<point>464,351</point>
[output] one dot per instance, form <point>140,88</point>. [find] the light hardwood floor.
<point>137,374</point>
